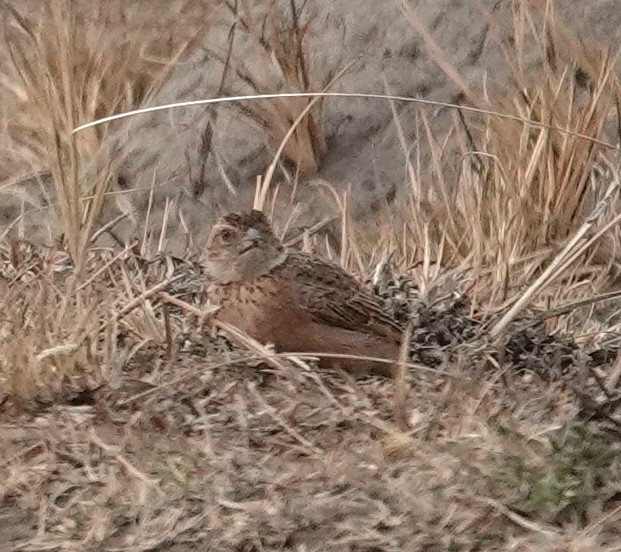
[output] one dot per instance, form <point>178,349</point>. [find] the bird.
<point>297,301</point>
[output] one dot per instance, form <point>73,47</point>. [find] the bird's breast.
<point>261,308</point>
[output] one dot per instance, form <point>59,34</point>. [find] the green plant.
<point>562,487</point>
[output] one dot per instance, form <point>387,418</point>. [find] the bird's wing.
<point>335,298</point>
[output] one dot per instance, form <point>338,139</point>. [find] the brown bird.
<point>296,301</point>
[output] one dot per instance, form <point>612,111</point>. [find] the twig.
<point>271,411</point>
<point>121,460</point>
<point>287,356</point>
<point>564,309</point>
<point>201,313</point>
<point>401,387</point>
<point>519,520</point>
<point>312,230</point>
<point>230,99</point>
<point>108,226</point>
<point>248,342</point>
<point>574,248</point>
<point>168,332</point>
<point>262,190</point>
<point>140,299</point>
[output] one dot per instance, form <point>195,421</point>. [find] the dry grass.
<point>126,426</point>
<point>71,62</point>
<point>507,197</point>
<point>275,58</point>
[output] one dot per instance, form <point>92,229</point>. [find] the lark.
<point>296,301</point>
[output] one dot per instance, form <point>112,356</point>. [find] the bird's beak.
<point>251,240</point>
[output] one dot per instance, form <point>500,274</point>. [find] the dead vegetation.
<point>127,426</point>
<point>511,196</point>
<point>274,58</point>
<point>64,69</point>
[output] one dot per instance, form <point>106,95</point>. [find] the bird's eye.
<point>226,235</point>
